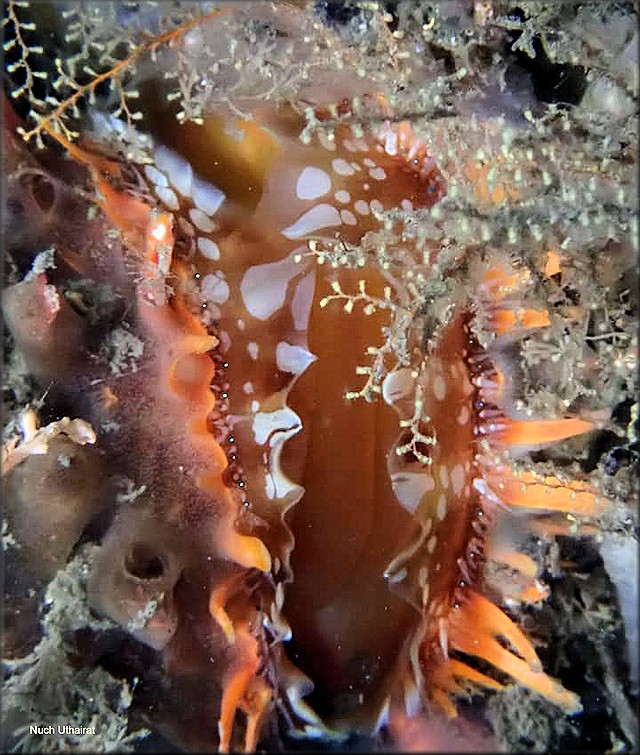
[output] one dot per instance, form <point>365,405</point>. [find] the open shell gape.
<point>321,363</point>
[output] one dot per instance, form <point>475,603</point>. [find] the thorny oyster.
<point>241,224</point>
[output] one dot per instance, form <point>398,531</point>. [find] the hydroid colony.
<point>290,331</point>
